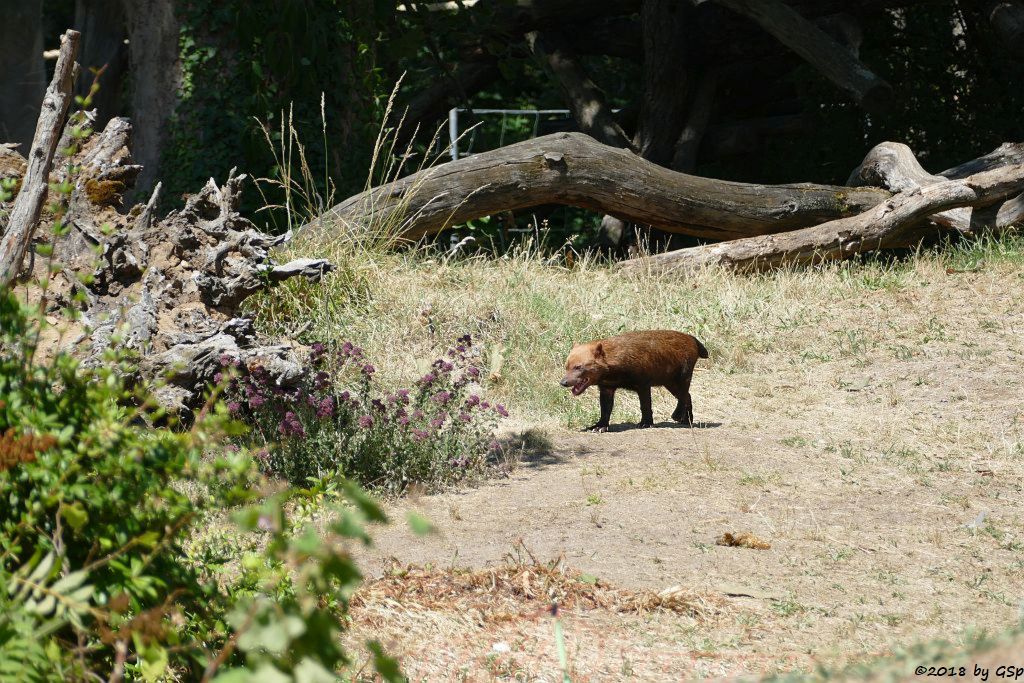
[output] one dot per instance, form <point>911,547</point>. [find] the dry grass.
<point>513,590</point>
<point>528,312</point>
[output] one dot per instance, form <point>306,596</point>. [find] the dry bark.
<point>575,170</point>
<point>28,205</point>
<point>893,223</point>
<point>169,288</point>
<point>893,166</point>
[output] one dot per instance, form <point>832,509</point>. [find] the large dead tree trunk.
<point>153,33</point>
<point>575,170</point>
<point>668,72</point>
<point>1007,18</point>
<point>171,288</point>
<point>101,23</point>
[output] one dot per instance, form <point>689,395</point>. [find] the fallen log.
<point>575,170</point>
<point>890,224</point>
<point>893,166</point>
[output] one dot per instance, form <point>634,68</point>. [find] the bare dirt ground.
<point>883,460</point>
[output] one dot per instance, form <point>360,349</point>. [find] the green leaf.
<point>367,505</point>
<point>270,674</point>
<point>419,524</point>
<point>235,676</point>
<point>75,515</point>
<point>310,671</point>
<point>71,581</point>
<point>42,570</point>
<point>154,662</point>
<point>387,667</point>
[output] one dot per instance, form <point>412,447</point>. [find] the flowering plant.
<point>336,419</point>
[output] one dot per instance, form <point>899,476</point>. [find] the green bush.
<point>96,511</point>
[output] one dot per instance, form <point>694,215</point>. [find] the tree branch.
<point>834,61</point>
<point>584,98</point>
<point>29,204</point>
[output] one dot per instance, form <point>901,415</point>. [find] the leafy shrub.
<point>434,433</point>
<point>96,509</point>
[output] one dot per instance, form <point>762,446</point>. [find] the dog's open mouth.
<point>580,387</point>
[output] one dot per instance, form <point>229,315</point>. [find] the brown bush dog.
<point>636,361</point>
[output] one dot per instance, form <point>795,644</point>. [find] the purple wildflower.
<point>343,396</point>
<point>346,349</point>
<point>378,405</point>
<point>290,425</point>
<point>473,371</point>
<point>403,396</point>
<point>441,397</point>
<point>501,410</point>
<point>417,415</point>
<point>473,401</point>
<point>366,421</point>
<point>321,380</point>
<point>420,434</point>
<point>256,400</point>
<point>465,417</point>
<point>437,422</point>
<point>428,379</point>
<point>369,370</point>
<point>326,408</point>
<point>485,405</point>
<point>403,420</point>
<point>234,407</point>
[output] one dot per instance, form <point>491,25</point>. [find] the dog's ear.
<point>599,350</point>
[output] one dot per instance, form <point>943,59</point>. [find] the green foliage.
<point>97,511</point>
<point>284,64</point>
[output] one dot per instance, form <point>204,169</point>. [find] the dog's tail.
<point>701,351</point>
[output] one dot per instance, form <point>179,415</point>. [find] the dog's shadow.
<point>630,426</point>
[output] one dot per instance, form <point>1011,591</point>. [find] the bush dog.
<point>636,361</point>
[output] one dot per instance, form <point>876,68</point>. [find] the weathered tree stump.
<point>167,288</point>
